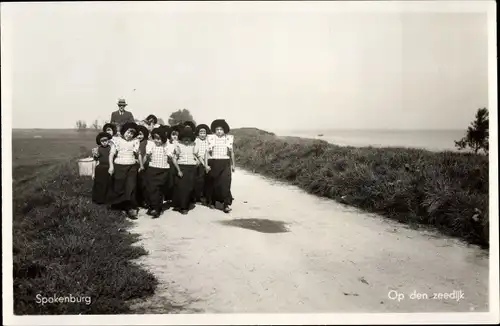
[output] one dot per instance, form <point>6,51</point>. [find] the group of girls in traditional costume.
<point>154,167</point>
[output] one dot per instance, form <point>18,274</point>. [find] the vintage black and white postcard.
<point>274,162</point>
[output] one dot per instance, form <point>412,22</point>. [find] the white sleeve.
<point>211,142</point>
<point>116,142</point>
<point>149,148</point>
<point>229,141</point>
<point>135,145</point>
<point>169,150</point>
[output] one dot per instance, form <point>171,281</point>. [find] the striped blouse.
<point>186,154</point>
<point>219,147</point>
<point>158,155</point>
<point>202,147</point>
<point>114,139</point>
<point>126,151</point>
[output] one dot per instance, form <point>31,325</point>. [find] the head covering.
<point>165,129</point>
<point>177,128</point>
<point>144,130</point>
<point>122,102</point>
<point>161,133</point>
<point>220,123</point>
<point>129,125</point>
<point>187,133</point>
<point>101,135</point>
<point>202,126</point>
<point>190,124</point>
<point>109,125</point>
<point>152,116</point>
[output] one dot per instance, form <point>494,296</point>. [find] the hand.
<point>141,168</point>
<point>95,151</point>
<point>207,168</point>
<point>233,168</point>
<point>180,174</point>
<point>111,170</point>
<point>93,177</point>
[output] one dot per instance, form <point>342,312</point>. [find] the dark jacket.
<point>120,119</point>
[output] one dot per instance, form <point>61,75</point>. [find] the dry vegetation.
<point>64,244</point>
<point>447,190</point>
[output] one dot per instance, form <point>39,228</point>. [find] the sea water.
<point>435,140</point>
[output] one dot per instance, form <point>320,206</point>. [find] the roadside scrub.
<point>448,191</point>
<point>66,246</point>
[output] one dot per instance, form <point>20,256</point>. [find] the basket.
<point>86,166</point>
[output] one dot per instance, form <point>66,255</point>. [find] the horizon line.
<point>285,129</point>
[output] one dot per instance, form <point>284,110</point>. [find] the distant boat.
<point>320,135</point>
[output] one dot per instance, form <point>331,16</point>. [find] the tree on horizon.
<point>477,134</point>
<point>81,125</point>
<point>95,125</point>
<point>180,116</point>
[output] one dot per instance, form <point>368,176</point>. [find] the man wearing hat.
<point>120,117</point>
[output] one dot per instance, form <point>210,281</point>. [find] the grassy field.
<point>63,244</point>
<point>448,191</point>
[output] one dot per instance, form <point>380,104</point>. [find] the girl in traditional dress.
<point>142,137</point>
<point>220,161</point>
<point>100,173</point>
<point>201,142</point>
<point>168,186</point>
<point>173,137</point>
<point>157,171</point>
<point>124,169</point>
<point>185,159</point>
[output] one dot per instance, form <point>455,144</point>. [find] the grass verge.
<point>64,245</point>
<point>446,190</point>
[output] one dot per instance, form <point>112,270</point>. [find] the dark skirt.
<point>124,183</point>
<point>200,184</point>
<point>142,190</point>
<point>156,179</point>
<point>102,184</point>
<point>219,182</point>
<point>184,187</point>
<point>169,186</point>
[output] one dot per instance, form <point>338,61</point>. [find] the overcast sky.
<point>267,68</point>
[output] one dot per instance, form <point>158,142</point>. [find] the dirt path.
<point>332,259</point>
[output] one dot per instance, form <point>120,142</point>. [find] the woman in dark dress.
<point>173,139</point>
<point>185,159</point>
<point>124,169</point>
<point>157,171</point>
<point>101,176</point>
<point>202,130</point>
<point>220,164</point>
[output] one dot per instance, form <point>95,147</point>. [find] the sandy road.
<point>332,259</point>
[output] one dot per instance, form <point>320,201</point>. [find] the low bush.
<point>64,245</point>
<point>447,190</point>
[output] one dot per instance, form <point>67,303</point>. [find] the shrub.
<point>64,244</point>
<point>445,190</point>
